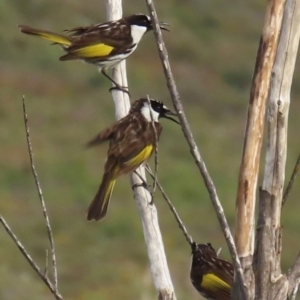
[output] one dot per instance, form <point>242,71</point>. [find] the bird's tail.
<point>98,207</point>
<point>47,35</point>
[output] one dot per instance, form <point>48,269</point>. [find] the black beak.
<point>162,26</point>
<point>170,113</point>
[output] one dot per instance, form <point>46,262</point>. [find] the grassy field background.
<point>212,48</point>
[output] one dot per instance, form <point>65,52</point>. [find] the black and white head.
<point>155,110</point>
<point>140,24</point>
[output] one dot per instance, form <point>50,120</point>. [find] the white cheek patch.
<point>147,110</point>
<point>137,32</point>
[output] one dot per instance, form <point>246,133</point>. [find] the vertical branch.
<point>269,237</point>
<point>247,185</point>
<point>147,211</point>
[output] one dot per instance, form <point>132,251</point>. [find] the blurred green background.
<point>212,48</point>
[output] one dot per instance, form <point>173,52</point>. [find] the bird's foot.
<point>142,184</point>
<point>123,89</point>
<point>152,199</point>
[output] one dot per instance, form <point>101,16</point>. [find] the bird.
<point>103,44</point>
<point>211,276</point>
<point>132,140</point>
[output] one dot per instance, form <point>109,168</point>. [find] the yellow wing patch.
<point>94,50</point>
<point>213,282</point>
<point>141,157</point>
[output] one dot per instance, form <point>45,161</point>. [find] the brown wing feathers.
<point>104,136</point>
<point>128,137</point>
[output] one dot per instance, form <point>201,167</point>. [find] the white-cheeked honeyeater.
<point>211,276</point>
<point>104,44</point>
<point>131,143</point>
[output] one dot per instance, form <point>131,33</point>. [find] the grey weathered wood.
<point>147,212</point>
<point>247,186</point>
<point>271,284</point>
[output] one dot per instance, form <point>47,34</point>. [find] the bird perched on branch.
<point>104,44</point>
<point>211,276</point>
<point>132,140</point>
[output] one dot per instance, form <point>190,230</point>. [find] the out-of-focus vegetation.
<point>212,48</point>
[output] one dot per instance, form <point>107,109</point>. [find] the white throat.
<point>137,33</point>
<point>147,110</point>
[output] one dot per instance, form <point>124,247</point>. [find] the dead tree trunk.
<point>270,282</point>
<point>270,93</point>
<point>246,196</point>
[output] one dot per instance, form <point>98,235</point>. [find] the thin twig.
<point>194,149</point>
<point>47,263</point>
<point>40,193</point>
<point>172,208</point>
<point>52,288</point>
<point>291,181</point>
<point>155,152</point>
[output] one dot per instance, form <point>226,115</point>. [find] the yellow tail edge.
<point>47,35</point>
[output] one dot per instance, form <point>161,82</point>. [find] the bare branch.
<point>291,181</point>
<point>193,147</point>
<point>52,288</point>
<point>46,263</point>
<point>172,208</point>
<point>40,193</point>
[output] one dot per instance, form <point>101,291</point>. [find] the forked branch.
<point>41,197</point>
<point>44,276</point>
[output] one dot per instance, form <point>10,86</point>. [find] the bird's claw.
<point>120,88</point>
<point>142,184</point>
